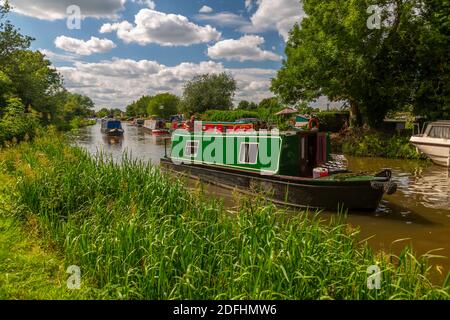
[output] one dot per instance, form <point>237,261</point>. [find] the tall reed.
<point>138,233</point>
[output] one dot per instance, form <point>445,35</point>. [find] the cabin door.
<point>307,154</point>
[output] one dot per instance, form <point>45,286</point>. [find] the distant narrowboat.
<point>291,168</point>
<point>112,127</point>
<point>138,122</point>
<point>156,127</point>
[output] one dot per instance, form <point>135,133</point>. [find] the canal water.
<point>419,212</point>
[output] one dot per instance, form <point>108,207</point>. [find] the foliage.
<point>335,54</point>
<point>35,81</point>
<point>138,108</point>
<point>163,105</point>
<point>228,115</point>
<point>332,121</point>
<point>246,105</point>
<point>113,113</point>
<point>378,144</point>
<point>15,124</point>
<point>271,104</point>
<point>433,89</point>
<point>31,91</point>
<point>209,91</point>
<point>11,40</point>
<point>141,234</point>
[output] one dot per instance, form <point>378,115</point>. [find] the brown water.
<point>418,211</point>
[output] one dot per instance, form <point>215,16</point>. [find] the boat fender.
<point>313,121</point>
<point>390,188</point>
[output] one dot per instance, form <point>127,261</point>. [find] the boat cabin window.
<point>191,148</point>
<point>248,153</point>
<point>441,132</point>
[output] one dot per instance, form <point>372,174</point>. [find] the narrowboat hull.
<point>293,191</point>
<point>113,132</point>
<point>160,132</point>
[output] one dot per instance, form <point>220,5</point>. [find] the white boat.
<point>435,142</point>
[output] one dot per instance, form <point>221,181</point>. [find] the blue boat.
<point>112,127</point>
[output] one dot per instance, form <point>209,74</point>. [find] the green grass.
<point>138,233</point>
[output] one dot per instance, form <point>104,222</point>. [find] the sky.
<point>123,49</point>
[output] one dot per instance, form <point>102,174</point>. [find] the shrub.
<point>332,121</point>
<point>378,144</point>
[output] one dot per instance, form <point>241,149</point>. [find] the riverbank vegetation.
<point>31,90</point>
<point>370,143</point>
<point>138,233</point>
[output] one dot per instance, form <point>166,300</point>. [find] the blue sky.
<point>128,48</point>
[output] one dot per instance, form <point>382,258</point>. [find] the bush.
<point>16,125</point>
<point>378,144</point>
<point>332,121</point>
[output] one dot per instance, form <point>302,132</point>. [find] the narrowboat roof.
<point>441,122</point>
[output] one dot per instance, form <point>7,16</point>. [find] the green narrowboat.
<point>293,168</point>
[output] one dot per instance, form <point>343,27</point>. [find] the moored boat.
<point>292,168</point>
<point>138,122</point>
<point>434,142</point>
<point>156,127</point>
<point>111,127</point>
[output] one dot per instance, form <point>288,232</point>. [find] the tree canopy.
<point>31,90</point>
<point>335,53</point>
<point>209,91</point>
<point>247,105</point>
<point>163,105</point>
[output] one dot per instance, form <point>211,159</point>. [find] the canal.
<point>419,212</point>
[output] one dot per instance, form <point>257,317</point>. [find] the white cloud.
<point>56,9</point>
<point>247,48</point>
<point>205,9</point>
<point>249,4</point>
<point>84,48</point>
<point>152,26</point>
<point>57,57</point>
<point>118,82</point>
<point>224,19</point>
<point>280,15</point>
<point>148,3</point>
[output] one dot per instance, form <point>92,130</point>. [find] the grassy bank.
<point>365,143</point>
<point>138,233</point>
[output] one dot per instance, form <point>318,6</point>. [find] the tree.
<point>246,105</point>
<point>103,112</point>
<point>163,105</point>
<point>10,38</point>
<point>270,104</point>
<point>209,91</point>
<point>76,105</point>
<point>34,81</point>
<point>335,54</point>
<point>433,89</point>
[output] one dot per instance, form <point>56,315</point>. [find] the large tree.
<point>11,40</point>
<point>34,80</point>
<point>337,53</point>
<point>163,105</point>
<point>433,56</point>
<point>209,91</point>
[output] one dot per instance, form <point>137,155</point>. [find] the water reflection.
<point>423,188</point>
<point>135,141</point>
